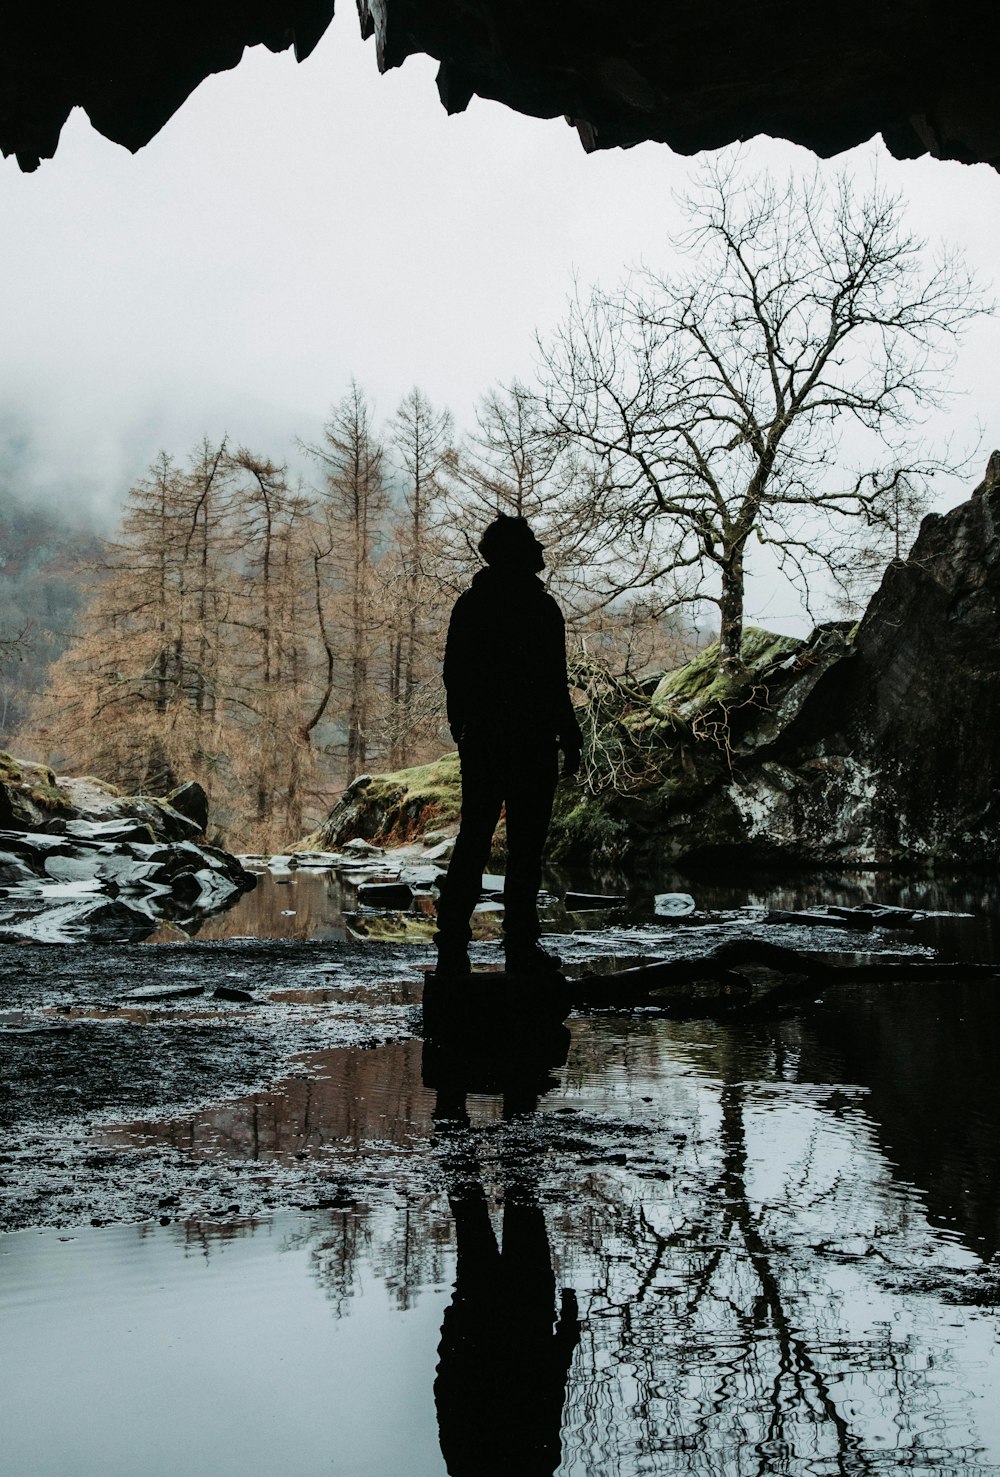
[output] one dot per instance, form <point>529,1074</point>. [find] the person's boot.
<point>452,960</point>
<point>528,957</point>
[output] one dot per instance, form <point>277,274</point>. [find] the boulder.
<point>191,801</point>
<point>393,809</point>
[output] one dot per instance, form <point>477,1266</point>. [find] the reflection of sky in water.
<point>128,1352</point>
<point>747,1269</point>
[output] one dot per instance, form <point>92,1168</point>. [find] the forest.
<point>272,640</point>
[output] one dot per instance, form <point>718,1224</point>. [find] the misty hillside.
<point>40,556</point>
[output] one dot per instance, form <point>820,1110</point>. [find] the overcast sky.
<point>294,225</point>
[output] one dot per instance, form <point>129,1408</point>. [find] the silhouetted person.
<point>510,713</point>
<point>504,1356</point>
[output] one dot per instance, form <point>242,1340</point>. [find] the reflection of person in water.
<point>510,713</point>
<point>504,1356</point>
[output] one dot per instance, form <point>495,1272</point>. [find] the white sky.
<point>294,225</point>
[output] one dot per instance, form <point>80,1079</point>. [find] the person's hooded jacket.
<point>505,661</point>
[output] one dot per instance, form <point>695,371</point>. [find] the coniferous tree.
<point>416,607</point>
<point>352,510</point>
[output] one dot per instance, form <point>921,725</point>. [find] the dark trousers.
<point>520,772</point>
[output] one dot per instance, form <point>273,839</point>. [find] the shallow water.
<point>308,904</point>
<point>780,1240</point>
<point>236,1350</point>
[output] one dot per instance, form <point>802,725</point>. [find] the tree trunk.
<point>731,613</point>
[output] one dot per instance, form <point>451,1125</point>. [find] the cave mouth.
<point>652,71</point>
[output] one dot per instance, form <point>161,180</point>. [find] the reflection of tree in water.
<point>406,1248</point>
<point>736,1319</point>
<point>716,1330</point>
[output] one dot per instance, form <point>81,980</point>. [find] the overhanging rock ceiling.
<point>691,75</point>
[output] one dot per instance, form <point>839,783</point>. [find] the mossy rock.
<point>32,798</point>
<point>699,683</point>
<point>104,786</point>
<point>392,809</point>
<point>29,794</point>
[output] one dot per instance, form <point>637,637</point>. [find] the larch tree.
<point>132,698</point>
<point>197,651</point>
<point>422,448</point>
<point>352,509</point>
<point>715,399</point>
<point>270,639</point>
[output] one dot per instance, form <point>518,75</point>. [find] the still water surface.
<point>766,1249</point>
<point>314,904</point>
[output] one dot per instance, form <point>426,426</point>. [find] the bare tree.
<point>412,578</point>
<point>353,507</point>
<point>881,543</point>
<point>715,400</point>
<point>511,465</point>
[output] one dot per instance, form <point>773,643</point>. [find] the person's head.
<point>509,545</point>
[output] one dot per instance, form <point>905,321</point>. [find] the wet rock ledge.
<point>80,860</point>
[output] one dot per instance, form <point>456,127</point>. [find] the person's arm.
<point>568,729</point>
<point>458,659</point>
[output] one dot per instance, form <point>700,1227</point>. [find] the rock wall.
<point>916,712</point>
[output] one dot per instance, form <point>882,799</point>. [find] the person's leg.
<point>530,790</point>
<point>482,799</point>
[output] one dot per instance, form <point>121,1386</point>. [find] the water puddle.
<point>697,1255</point>
<point>300,1346</point>
<point>641,1246</point>
<point>336,1101</point>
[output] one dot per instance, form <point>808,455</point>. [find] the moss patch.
<point>699,683</point>
<point>28,792</point>
<point>392,809</point>
<point>428,796</point>
<point>104,786</point>
<point>392,928</point>
<point>588,829</point>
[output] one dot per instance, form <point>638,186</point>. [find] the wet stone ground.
<point>636,1244</point>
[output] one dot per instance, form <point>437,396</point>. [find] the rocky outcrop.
<point>392,809</point>
<point>912,720</point>
<point>80,861</point>
<point>883,751</point>
<point>128,77</point>
<point>694,77</point>
<point>698,77</point>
